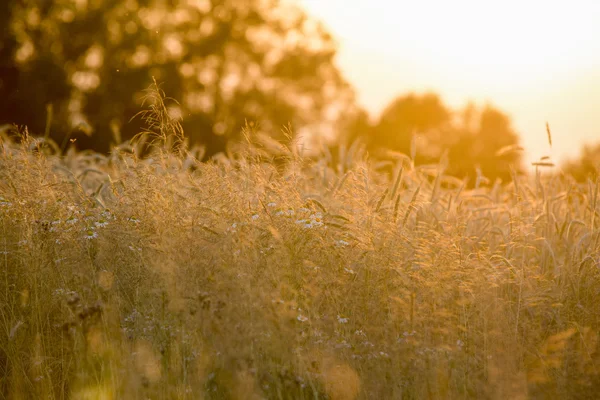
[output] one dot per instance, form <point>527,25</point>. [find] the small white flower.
<point>460,343</point>
<point>342,320</point>
<point>349,271</point>
<point>290,212</point>
<point>91,234</point>
<point>255,217</point>
<point>133,220</point>
<point>303,209</point>
<point>280,212</point>
<point>107,214</point>
<point>341,243</point>
<point>101,223</point>
<point>71,220</point>
<point>271,204</point>
<point>302,318</point>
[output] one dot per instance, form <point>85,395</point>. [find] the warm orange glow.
<point>535,59</point>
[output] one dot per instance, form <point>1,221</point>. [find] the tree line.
<point>77,70</point>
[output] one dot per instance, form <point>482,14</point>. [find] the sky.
<point>538,61</point>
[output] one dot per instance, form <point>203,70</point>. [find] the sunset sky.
<point>536,60</point>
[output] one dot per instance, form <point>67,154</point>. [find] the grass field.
<point>166,278</point>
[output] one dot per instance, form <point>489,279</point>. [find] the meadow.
<point>290,277</point>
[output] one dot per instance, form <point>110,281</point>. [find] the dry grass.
<point>165,278</point>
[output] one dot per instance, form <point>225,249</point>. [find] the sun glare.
<point>512,53</point>
<point>509,42</point>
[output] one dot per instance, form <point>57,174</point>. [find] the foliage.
<point>167,278</point>
<point>587,165</point>
<point>80,66</point>
<point>426,129</point>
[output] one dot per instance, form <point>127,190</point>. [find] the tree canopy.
<point>83,65</point>
<point>478,140</point>
<point>587,165</point>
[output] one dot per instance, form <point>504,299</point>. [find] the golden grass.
<point>165,278</point>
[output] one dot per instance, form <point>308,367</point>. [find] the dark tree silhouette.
<point>224,61</point>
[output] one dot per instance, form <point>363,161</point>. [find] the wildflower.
<point>460,343</point>
<point>54,224</point>
<point>71,220</point>
<point>255,217</point>
<point>316,220</point>
<point>290,212</point>
<point>90,234</point>
<point>304,210</point>
<point>4,202</point>
<point>341,243</point>
<point>271,204</point>
<point>107,214</point>
<point>280,212</point>
<point>88,217</point>
<point>102,223</point>
<point>342,320</point>
<point>302,318</point>
<point>349,271</point>
<point>133,220</point>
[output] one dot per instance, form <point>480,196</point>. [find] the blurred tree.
<point>225,61</point>
<point>587,165</point>
<point>475,139</point>
<point>424,116</point>
<point>483,142</point>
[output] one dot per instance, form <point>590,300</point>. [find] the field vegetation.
<point>273,275</point>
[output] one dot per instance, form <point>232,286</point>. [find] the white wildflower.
<point>349,271</point>
<point>342,320</point>
<point>271,204</point>
<point>255,217</point>
<point>90,234</point>
<point>302,318</point>
<point>4,202</point>
<point>102,223</point>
